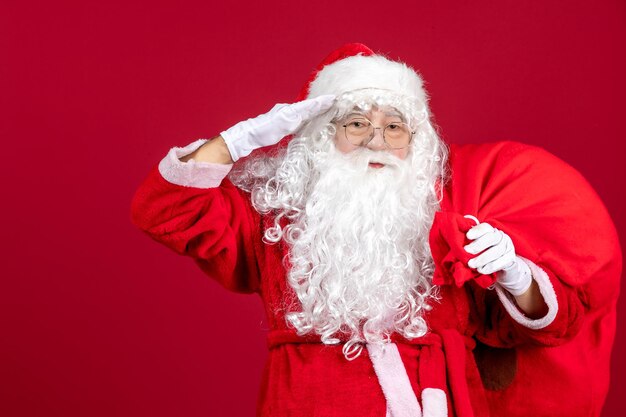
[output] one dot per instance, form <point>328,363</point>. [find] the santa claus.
<point>400,277</point>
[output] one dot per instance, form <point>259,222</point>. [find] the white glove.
<point>499,256</point>
<point>269,128</point>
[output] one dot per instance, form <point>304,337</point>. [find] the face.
<point>379,118</point>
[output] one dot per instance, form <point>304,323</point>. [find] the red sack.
<point>557,221</point>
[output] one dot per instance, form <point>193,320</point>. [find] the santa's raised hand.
<point>496,253</point>
<point>269,128</point>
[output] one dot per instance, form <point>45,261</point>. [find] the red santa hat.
<point>355,67</point>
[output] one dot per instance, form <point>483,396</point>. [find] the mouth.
<point>376,165</point>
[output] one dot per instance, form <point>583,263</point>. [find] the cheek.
<point>400,153</point>
<point>342,144</point>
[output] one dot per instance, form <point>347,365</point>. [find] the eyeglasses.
<point>360,131</point>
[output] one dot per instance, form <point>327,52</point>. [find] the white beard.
<point>361,264</point>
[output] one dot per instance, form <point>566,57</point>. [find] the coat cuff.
<point>192,173</point>
<point>547,292</point>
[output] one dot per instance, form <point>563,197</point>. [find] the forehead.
<point>386,111</point>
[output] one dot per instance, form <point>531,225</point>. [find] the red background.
<point>98,320</point>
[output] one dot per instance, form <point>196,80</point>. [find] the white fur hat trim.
<point>359,72</point>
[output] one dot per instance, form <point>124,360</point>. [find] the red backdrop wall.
<point>98,320</point>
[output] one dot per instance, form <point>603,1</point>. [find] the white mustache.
<point>367,156</point>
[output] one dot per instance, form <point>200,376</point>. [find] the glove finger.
<point>309,108</point>
<point>485,241</point>
<point>479,230</point>
<point>487,256</point>
<point>510,252</point>
<point>507,261</point>
<point>496,265</point>
<point>289,118</point>
<point>276,108</point>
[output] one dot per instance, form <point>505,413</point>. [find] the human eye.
<point>357,123</point>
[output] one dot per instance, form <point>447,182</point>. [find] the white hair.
<point>359,257</point>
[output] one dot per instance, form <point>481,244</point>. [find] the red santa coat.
<point>481,350</point>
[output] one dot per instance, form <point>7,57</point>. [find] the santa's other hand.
<point>497,254</point>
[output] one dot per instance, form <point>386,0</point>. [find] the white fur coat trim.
<point>393,379</point>
<point>434,402</point>
<point>192,173</point>
<point>547,291</point>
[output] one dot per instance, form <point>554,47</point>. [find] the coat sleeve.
<point>501,323</point>
<point>193,209</point>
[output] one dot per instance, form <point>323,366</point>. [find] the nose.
<point>377,142</point>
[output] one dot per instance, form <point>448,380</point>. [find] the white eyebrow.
<point>393,113</point>
<point>388,113</point>
<point>356,114</point>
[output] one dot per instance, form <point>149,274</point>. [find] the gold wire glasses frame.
<point>360,132</point>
